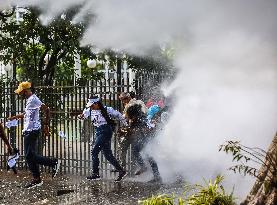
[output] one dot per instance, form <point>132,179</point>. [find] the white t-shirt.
<point>97,118</point>
<point>31,116</point>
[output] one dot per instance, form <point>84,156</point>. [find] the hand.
<point>80,117</point>
<point>11,118</point>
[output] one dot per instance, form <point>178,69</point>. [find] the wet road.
<point>77,190</point>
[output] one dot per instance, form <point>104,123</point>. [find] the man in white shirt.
<point>31,132</point>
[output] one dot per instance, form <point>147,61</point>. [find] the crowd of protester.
<point>139,122</point>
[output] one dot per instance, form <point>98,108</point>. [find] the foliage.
<point>244,154</point>
<point>7,13</point>
<point>212,193</point>
<point>28,43</point>
<point>159,200</point>
<point>159,60</point>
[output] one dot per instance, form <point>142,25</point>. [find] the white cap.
<point>92,101</point>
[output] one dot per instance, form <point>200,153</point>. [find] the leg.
<point>29,150</point>
<point>97,147</point>
<point>155,168</point>
<point>136,148</point>
<point>124,146</point>
<point>138,145</point>
<point>46,161</point>
<point>107,151</point>
<point>3,136</point>
<point>32,158</point>
<point>109,155</point>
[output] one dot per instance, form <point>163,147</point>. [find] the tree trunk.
<point>264,191</point>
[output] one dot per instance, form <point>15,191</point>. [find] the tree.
<point>6,14</point>
<point>43,53</point>
<point>157,60</point>
<point>264,191</point>
<point>29,43</point>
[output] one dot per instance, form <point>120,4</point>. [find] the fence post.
<point>119,82</point>
<point>13,105</point>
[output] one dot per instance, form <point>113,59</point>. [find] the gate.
<point>70,139</point>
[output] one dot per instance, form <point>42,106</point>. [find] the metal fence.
<point>70,139</point>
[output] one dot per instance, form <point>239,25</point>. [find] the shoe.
<point>122,175</point>
<point>140,171</point>
<point>55,168</point>
<point>156,179</point>
<point>34,183</point>
<point>94,177</point>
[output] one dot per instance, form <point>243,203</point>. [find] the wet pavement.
<point>78,190</point>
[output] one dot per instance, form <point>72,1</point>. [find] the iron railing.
<point>70,139</point>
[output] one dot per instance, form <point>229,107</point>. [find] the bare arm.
<point>4,137</point>
<point>46,110</point>
<point>16,117</point>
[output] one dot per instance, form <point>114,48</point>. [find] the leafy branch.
<point>244,154</point>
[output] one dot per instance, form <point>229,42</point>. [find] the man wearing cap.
<point>31,132</point>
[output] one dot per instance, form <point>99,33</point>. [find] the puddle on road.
<point>71,190</point>
<point>107,192</point>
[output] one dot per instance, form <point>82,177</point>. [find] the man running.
<point>142,130</point>
<point>102,119</point>
<point>31,131</point>
<point>127,136</point>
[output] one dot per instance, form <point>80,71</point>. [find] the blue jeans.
<point>103,137</point>
<point>32,158</point>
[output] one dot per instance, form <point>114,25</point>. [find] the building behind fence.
<point>70,139</point>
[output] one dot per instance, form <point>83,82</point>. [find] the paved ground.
<point>77,190</point>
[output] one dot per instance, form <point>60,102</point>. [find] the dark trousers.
<point>126,140</point>
<point>123,148</point>
<point>137,147</point>
<point>32,158</point>
<point>103,137</point>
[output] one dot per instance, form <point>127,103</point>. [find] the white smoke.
<point>5,4</point>
<point>225,90</point>
<point>50,8</point>
<point>226,85</point>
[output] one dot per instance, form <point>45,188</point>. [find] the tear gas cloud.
<point>226,86</point>
<point>4,4</point>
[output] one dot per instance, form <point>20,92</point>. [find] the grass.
<point>211,193</point>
